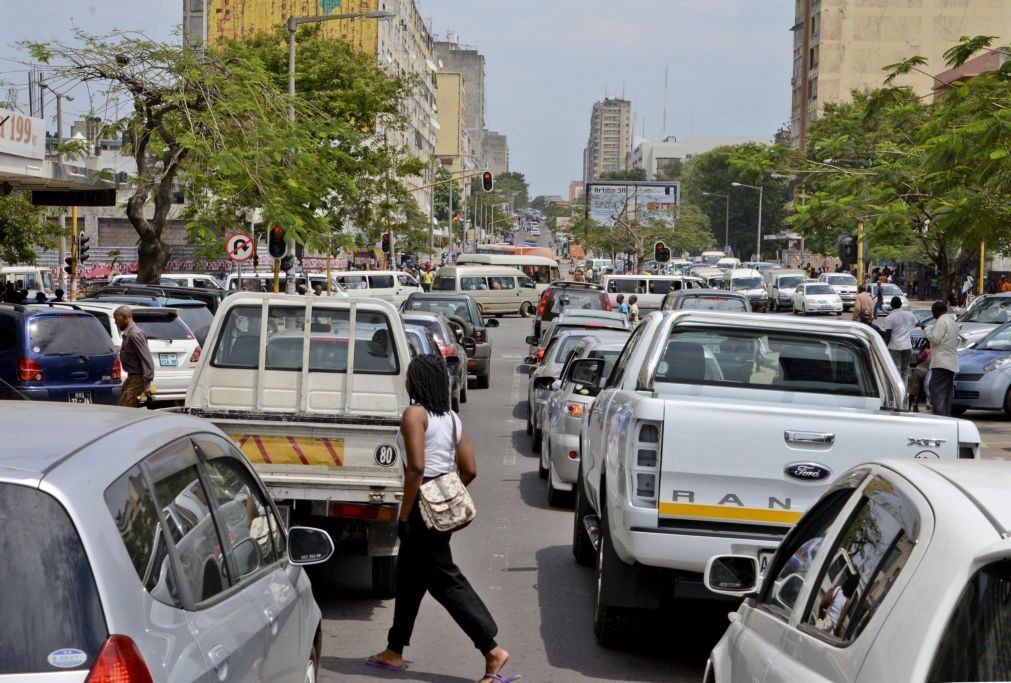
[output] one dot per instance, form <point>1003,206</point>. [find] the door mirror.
<point>585,372</point>
<point>543,382</point>
<point>308,546</point>
<point>787,591</point>
<point>530,360</point>
<point>491,322</point>
<point>469,345</point>
<point>246,555</point>
<point>734,575</point>
<point>532,340</point>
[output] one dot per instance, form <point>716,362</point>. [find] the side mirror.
<point>543,382</point>
<point>469,345</point>
<point>532,340</point>
<point>246,554</point>
<point>734,575</point>
<point>452,361</point>
<point>308,546</point>
<point>491,322</point>
<point>787,591</point>
<point>585,372</point>
<point>530,360</point>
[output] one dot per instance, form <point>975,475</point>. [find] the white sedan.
<point>900,572</point>
<point>816,297</point>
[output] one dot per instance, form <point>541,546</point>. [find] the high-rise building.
<point>402,46</point>
<point>842,45</point>
<point>660,159</point>
<point>467,61</point>
<point>496,152</point>
<point>609,148</point>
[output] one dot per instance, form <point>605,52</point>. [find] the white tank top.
<point>440,454</point>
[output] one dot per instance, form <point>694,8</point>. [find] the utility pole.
<point>431,214</point>
<point>451,216</point>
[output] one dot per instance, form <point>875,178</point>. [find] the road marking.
<point>512,356</point>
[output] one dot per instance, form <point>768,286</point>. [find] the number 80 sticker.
<point>386,455</point>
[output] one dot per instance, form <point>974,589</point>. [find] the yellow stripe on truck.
<point>690,510</point>
<point>291,450</point>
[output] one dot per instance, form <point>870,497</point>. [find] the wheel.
<point>463,389</point>
<point>454,402</point>
<point>582,549</point>
<point>312,667</point>
<point>544,459</point>
<point>384,576</point>
<point>610,624</point>
<point>1007,402</point>
<point>535,440</point>
<point>526,308</point>
<point>530,424</point>
<point>556,497</point>
<point>483,381</point>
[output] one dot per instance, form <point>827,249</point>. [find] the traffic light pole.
<point>73,253</point>
<point>277,276</point>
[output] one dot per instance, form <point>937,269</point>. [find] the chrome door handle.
<point>218,656</point>
<point>818,438</point>
<point>271,616</point>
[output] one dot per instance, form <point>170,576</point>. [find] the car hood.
<point>975,331</point>
<point>973,360</point>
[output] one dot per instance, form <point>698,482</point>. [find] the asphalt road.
<point>517,554</point>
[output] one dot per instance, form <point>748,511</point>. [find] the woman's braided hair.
<point>430,383</point>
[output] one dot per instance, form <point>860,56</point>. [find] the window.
<point>712,303</point>
<point>68,335</point>
<point>502,282</point>
<point>407,281</point>
<point>381,281</point>
<point>135,512</point>
<point>163,327</point>
<point>662,286</point>
<point>977,640</point>
<point>618,373</point>
<point>565,346</point>
<point>49,598</point>
<point>444,284</point>
<point>472,283</point>
<point>353,282</point>
<point>186,515</point>
<point>626,286</point>
<point>799,552</point>
<point>457,307</point>
<point>239,340</point>
<point>775,361</point>
<point>872,549</point>
<point>8,334</point>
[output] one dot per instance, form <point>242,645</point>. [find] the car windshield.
<point>571,299</point>
<point>712,303</point>
<point>995,310</point>
<point>819,289</point>
<point>458,307</point>
<point>68,335</point>
<point>609,358</point>
<point>789,281</point>
<point>565,345</point>
<point>746,282</point>
<point>891,290</point>
<point>842,280</point>
<point>998,340</point>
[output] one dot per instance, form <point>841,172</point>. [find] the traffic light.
<point>487,181</point>
<point>69,268</point>
<point>276,245</point>
<point>847,249</point>
<point>661,253</point>
<point>287,262</point>
<point>82,247</point>
<point>386,243</point>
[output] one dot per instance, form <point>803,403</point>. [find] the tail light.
<point>117,370</point>
<point>574,409</point>
<point>119,662</point>
<point>543,305</point>
<point>540,355</point>
<point>607,303</point>
<point>196,355</point>
<point>446,351</point>
<point>385,513</point>
<point>479,336</point>
<point>645,468</point>
<point>29,370</point>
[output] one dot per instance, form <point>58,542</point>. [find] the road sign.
<point>239,247</point>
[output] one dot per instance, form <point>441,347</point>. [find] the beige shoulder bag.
<point>444,503</point>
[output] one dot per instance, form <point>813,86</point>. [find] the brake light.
<point>119,662</point>
<point>543,304</point>
<point>540,354</point>
<point>385,513</point>
<point>196,355</point>
<point>117,370</point>
<point>574,409</point>
<point>29,370</point>
<point>645,468</point>
<point>607,303</point>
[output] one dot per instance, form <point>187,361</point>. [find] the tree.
<point>539,202</point>
<point>514,184</point>
<point>633,174</point>
<point>24,230</point>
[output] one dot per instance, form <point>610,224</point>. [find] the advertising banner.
<point>22,136</point>
<point>644,202</point>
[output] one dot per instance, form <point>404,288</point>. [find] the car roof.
<point>31,309</point>
<point>575,317</point>
<point>710,292</point>
<point>566,284</point>
<point>22,422</point>
<point>984,483</point>
<point>439,296</point>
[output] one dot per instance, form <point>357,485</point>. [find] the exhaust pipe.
<point>592,525</point>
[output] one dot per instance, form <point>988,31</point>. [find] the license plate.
<point>79,397</point>
<point>167,359</point>
<point>764,560</point>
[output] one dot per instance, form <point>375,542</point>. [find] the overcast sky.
<point>547,62</point>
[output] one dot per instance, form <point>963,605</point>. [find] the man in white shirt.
<point>899,324</point>
<point>943,338</point>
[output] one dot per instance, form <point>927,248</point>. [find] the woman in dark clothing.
<point>433,439</point>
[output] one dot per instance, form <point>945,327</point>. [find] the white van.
<point>746,281</point>
<point>728,263</point>
<point>495,289</point>
<point>388,285</point>
<point>540,269</point>
<point>173,280</point>
<point>649,289</point>
<point>264,282</point>
<point>32,278</point>
<point>780,286</point>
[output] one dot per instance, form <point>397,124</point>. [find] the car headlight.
<point>998,364</point>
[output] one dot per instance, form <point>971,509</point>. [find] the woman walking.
<point>435,444</point>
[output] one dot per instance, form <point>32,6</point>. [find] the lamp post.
<point>758,250</point>
<point>726,239</point>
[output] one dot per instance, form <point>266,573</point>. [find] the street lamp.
<point>726,240</point>
<point>758,251</point>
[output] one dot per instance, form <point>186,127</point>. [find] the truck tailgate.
<point>351,462</point>
<point>726,467</point>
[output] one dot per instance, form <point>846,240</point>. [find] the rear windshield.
<point>711,303</point>
<point>53,618</point>
<point>609,357</point>
<point>457,307</point>
<point>174,329</point>
<point>434,326</point>
<point>746,283</point>
<point>577,299</point>
<point>776,361</point>
<point>565,345</point>
<point>68,335</point>
<point>198,319</point>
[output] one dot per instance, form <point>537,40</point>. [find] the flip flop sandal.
<point>500,678</point>
<point>372,661</point>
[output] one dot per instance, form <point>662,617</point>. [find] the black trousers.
<point>425,565</point>
<point>942,390</point>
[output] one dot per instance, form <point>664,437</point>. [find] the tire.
<point>536,439</point>
<point>530,425</point>
<point>556,497</point>
<point>610,624</point>
<point>483,381</point>
<point>526,308</point>
<point>1007,403</point>
<point>544,453</point>
<point>463,390</point>
<point>312,667</point>
<point>384,576</point>
<point>454,402</point>
<point>582,549</point>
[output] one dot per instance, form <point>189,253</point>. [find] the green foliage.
<point>24,230</point>
<point>514,184</point>
<point>631,174</point>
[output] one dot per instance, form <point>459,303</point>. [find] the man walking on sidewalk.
<point>134,358</point>
<point>943,338</point>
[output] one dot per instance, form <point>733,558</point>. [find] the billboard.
<point>22,136</point>
<point>238,19</point>
<point>644,202</point>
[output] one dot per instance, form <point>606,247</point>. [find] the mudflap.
<point>382,539</point>
<point>635,586</point>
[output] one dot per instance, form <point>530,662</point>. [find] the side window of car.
<point>186,516</point>
<point>864,563</point>
<point>8,333</point>
<point>502,282</point>
<point>135,513</point>
<point>618,373</point>
<point>472,283</point>
<point>527,283</point>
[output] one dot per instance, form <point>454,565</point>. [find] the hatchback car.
<point>706,300</point>
<point>983,381</point>
<point>422,342</point>
<point>153,551</point>
<point>982,318</point>
<point>475,327</point>
<point>569,296</point>
<point>195,314</point>
<point>51,353</point>
<point>900,572</point>
<point>816,297</point>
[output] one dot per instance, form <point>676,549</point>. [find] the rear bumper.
<point>689,552</point>
<point>564,468</point>
<point>107,394</point>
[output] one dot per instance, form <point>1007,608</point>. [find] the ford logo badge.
<point>807,471</point>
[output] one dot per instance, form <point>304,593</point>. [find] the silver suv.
<point>142,542</point>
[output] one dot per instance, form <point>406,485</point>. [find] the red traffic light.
<point>487,181</point>
<point>276,246</point>
<point>661,254</point>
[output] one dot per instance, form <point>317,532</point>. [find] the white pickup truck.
<point>715,431</point>
<point>312,391</point>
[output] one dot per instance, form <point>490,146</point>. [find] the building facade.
<point>841,45</point>
<point>468,62</point>
<point>659,158</point>
<point>496,152</point>
<point>609,148</point>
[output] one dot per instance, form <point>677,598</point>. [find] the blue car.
<point>56,353</point>
<point>984,374</point>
